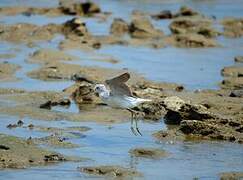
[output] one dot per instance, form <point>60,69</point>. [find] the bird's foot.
<point>139,132</point>
<point>133,131</point>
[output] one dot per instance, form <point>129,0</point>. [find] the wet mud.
<point>20,153</point>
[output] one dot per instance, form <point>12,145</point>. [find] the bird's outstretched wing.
<point>117,85</point>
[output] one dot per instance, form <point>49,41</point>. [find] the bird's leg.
<point>136,124</point>
<point>132,118</point>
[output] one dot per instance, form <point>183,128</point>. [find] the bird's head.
<point>100,89</point>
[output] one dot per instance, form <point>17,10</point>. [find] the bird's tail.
<point>141,100</point>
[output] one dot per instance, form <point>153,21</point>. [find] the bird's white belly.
<point>123,102</point>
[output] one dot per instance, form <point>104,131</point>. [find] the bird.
<point>117,94</point>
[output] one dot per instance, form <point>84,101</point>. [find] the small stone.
<point>239,59</point>
<point>20,123</point>
<point>10,126</point>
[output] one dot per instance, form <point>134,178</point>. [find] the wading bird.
<point>120,96</point>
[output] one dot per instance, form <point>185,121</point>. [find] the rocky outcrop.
<point>27,33</point>
<point>50,55</point>
<point>233,77</point>
<point>239,59</point>
<point>212,130</point>
<point>7,71</point>
<point>78,8</point>
<point>236,93</point>
<point>150,153</point>
<point>231,175</point>
<point>193,40</point>
<point>61,102</point>
<point>232,71</point>
<point>119,27</point>
<point>178,110</point>
<point>184,11</point>
<point>233,27</point>
<point>111,171</point>
<point>75,26</point>
<point>199,26</point>
<point>219,118</point>
<point>141,27</point>
<point>232,83</point>
<point>151,110</point>
<point>20,153</point>
<point>165,14</point>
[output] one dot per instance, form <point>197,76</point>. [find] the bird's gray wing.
<point>117,85</point>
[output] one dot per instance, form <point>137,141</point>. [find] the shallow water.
<point>109,144</point>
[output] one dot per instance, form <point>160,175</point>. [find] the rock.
<point>54,158</point>
<point>232,83</point>
<point>239,59</point>
<point>232,71</point>
<point>186,11</point>
<point>15,125</point>
<point>206,114</point>
<point>166,14</point>
<point>81,78</point>
<point>66,7</point>
<point>193,25</point>
<point>69,131</point>
<point>111,171</point>
<point>20,123</point>
<point>231,176</point>
<point>4,147</point>
<point>20,153</point>
<point>119,27</point>
<point>54,141</point>
<point>76,26</point>
<point>209,129</point>
<point>55,102</point>
<point>187,111</point>
<point>178,110</point>
<point>233,27</point>
<point>179,88</point>
<point>54,71</point>
<point>151,153</point>
<point>50,55</point>
<point>174,103</point>
<point>7,71</point>
<point>64,71</point>
<point>10,126</point>
<point>27,33</point>
<point>151,110</point>
<point>4,91</point>
<point>82,8</point>
<point>193,40</point>
<point>29,11</point>
<point>31,126</point>
<point>236,93</point>
<point>170,135</point>
<point>197,127</point>
<point>84,94</point>
<point>141,27</point>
